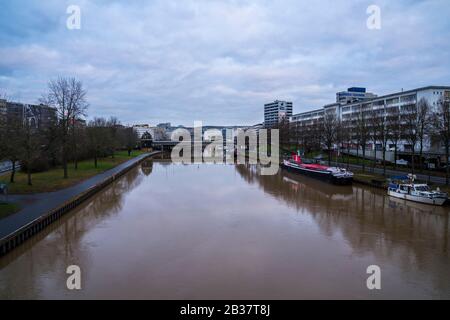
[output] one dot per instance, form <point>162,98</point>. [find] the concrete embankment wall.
<point>33,227</point>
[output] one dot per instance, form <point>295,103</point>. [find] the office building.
<point>276,111</point>
<point>403,103</point>
<point>39,116</point>
<point>354,94</point>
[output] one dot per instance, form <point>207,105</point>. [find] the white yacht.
<point>404,188</point>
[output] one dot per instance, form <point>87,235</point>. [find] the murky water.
<point>223,231</point>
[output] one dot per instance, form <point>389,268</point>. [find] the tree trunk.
<point>75,151</point>
<point>95,160</point>
<point>129,152</point>
<point>64,160</point>
<point>29,174</point>
<point>364,158</point>
<point>384,160</point>
<point>412,161</point>
<point>329,156</point>
<point>447,169</point>
<point>374,157</point>
<point>13,171</point>
<point>348,156</point>
<point>75,155</point>
<point>395,156</point>
<point>420,157</point>
<point>357,153</point>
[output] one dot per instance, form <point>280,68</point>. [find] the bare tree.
<point>296,128</point>
<point>12,146</point>
<point>340,138</point>
<point>30,147</point>
<point>284,132</point>
<point>98,139</point>
<point>3,122</point>
<point>316,134</point>
<point>113,125</point>
<point>410,130</point>
<point>441,128</point>
<point>423,125</point>
<point>129,139</point>
<point>346,135</point>
<point>362,132</point>
<point>69,98</point>
<point>381,133</point>
<point>329,132</point>
<point>373,133</point>
<point>77,132</point>
<point>395,129</point>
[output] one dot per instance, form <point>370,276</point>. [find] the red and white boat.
<point>331,174</point>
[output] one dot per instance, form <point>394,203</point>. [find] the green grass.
<point>368,177</point>
<point>7,208</point>
<point>53,180</point>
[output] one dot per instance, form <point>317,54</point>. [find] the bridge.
<point>169,144</point>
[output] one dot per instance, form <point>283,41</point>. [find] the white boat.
<point>405,188</point>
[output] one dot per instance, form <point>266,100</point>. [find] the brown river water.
<point>204,231</point>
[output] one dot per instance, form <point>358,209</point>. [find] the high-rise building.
<point>353,94</point>
<point>276,111</point>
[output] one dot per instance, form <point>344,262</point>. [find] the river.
<point>204,231</point>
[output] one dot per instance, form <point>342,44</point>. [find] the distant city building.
<point>39,116</point>
<point>353,94</point>
<point>276,111</point>
<point>141,129</point>
<point>165,126</point>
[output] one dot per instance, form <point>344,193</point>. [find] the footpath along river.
<point>203,231</point>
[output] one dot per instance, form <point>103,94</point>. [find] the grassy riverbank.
<point>53,180</point>
<point>7,208</point>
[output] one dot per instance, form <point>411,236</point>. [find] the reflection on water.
<point>223,231</point>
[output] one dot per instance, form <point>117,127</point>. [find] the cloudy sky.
<point>220,61</point>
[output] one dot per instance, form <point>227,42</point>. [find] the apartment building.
<point>403,102</point>
<point>353,94</point>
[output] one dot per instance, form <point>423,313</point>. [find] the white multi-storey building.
<point>400,101</point>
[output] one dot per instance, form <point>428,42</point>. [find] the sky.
<point>219,61</point>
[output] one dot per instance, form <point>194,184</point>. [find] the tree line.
<point>415,124</point>
<point>65,137</point>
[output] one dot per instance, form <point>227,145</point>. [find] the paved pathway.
<point>35,205</point>
<point>389,172</point>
